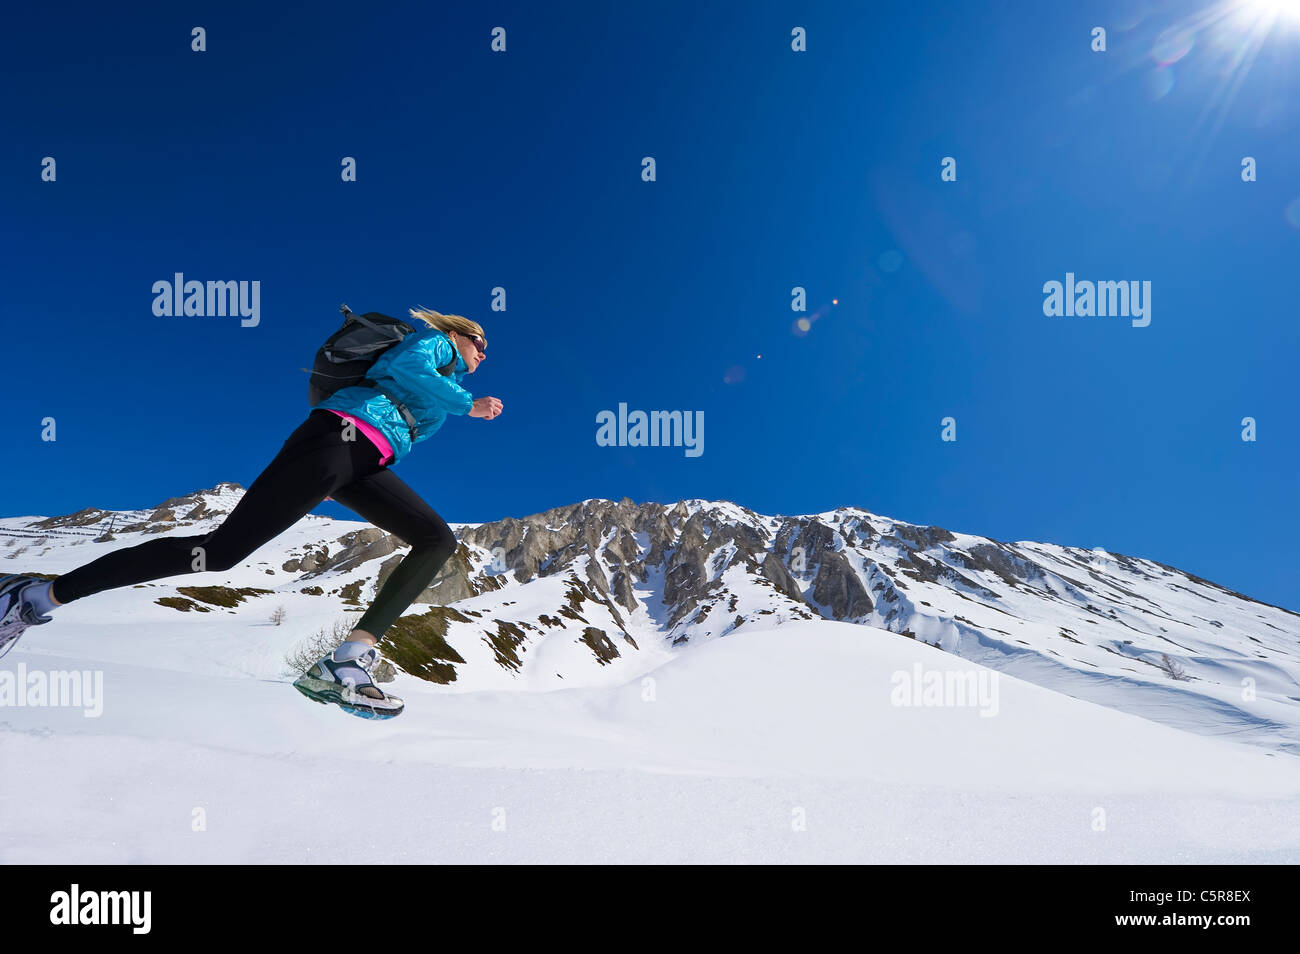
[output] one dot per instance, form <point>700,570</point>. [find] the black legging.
<point>315,462</point>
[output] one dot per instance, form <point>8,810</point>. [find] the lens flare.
<point>1280,9</point>
<point>1292,213</point>
<point>1172,45</point>
<point>1159,82</point>
<point>1221,43</point>
<point>890,261</point>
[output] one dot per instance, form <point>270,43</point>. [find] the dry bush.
<point>323,642</point>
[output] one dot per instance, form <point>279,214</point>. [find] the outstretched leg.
<point>385,500</point>
<point>311,464</point>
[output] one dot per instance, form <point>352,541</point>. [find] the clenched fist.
<point>486,408</point>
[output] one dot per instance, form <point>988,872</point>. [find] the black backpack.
<point>346,356</point>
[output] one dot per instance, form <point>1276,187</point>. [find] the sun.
<point>1223,42</point>
<point>1275,9</point>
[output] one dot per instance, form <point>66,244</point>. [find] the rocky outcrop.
<point>358,547</point>
<point>774,571</point>
<point>600,644</point>
<point>82,518</point>
<point>838,587</point>
<point>695,570</point>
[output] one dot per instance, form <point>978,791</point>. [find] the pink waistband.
<point>376,436</point>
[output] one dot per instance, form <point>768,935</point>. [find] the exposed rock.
<point>221,595</point>
<point>505,641</point>
<point>838,587</point>
<point>620,586</point>
<point>82,518</point>
<point>314,560</point>
<point>600,644</point>
<point>774,570</point>
<point>624,546</point>
<point>190,500</point>
<point>1011,569</point>
<point>358,547</point>
<point>697,569</point>
<point>922,537</point>
<point>453,582</point>
<point>180,603</point>
<point>596,577</point>
<point>660,531</point>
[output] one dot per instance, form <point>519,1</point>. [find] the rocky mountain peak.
<point>615,576</point>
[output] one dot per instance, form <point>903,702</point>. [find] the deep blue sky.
<point>775,169</point>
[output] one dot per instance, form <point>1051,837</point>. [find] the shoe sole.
<point>12,631</point>
<point>329,693</point>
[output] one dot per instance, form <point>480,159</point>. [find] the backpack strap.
<point>447,369</point>
<point>412,424</point>
<point>350,315</point>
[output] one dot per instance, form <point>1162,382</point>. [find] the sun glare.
<point>1282,9</point>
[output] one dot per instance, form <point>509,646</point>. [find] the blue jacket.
<point>409,372</point>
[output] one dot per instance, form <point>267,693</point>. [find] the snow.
<point>776,745</point>
<point>713,750</point>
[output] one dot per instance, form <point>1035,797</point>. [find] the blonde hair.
<point>457,323</point>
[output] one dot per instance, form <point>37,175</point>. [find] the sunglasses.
<point>479,343</point>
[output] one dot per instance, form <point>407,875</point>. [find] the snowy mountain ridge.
<point>596,592</point>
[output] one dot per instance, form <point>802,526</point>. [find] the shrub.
<point>1170,668</point>
<point>324,641</point>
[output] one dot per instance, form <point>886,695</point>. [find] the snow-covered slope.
<point>1123,687</point>
<point>597,592</point>
<point>644,734</point>
<point>784,745</point>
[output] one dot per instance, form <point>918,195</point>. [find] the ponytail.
<point>457,323</point>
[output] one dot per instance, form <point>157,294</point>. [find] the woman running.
<point>343,451</point>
